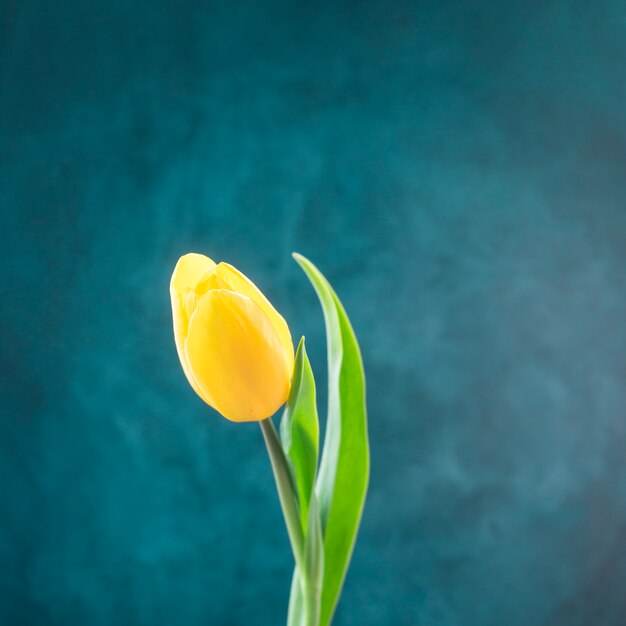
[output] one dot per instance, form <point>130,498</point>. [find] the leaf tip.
<point>301,260</point>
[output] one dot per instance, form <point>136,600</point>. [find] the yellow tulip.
<point>235,348</point>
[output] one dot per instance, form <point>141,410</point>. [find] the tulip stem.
<point>286,490</point>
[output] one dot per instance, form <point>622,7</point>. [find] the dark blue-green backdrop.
<point>458,171</point>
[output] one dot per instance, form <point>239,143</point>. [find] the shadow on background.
<point>457,171</point>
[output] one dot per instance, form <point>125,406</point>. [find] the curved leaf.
<point>343,476</point>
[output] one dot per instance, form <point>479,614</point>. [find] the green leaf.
<point>299,430</point>
<point>343,476</point>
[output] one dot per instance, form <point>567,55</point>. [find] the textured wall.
<point>457,169</point>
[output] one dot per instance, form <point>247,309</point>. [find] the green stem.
<point>304,603</point>
<point>291,513</point>
<point>312,605</point>
<point>286,492</point>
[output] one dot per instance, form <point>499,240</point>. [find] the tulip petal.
<point>188,271</point>
<point>225,276</point>
<point>237,357</point>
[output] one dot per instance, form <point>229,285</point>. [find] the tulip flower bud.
<point>234,347</point>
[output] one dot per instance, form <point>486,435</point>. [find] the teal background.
<point>456,169</point>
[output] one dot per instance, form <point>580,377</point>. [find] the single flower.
<point>234,347</point>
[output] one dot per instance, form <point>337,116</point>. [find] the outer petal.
<point>225,276</point>
<point>237,357</point>
<point>188,271</point>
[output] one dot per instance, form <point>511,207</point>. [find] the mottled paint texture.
<point>456,169</point>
